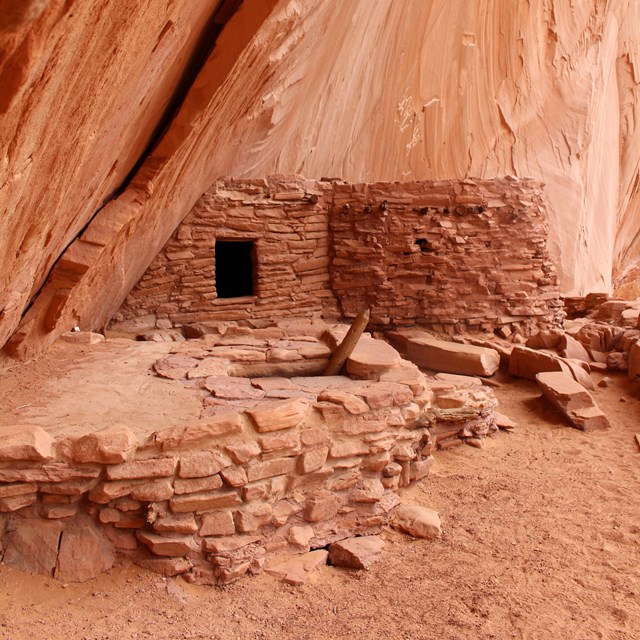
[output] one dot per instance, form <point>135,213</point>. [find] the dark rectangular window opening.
<point>235,268</point>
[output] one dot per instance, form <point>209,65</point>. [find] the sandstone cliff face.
<point>366,90</point>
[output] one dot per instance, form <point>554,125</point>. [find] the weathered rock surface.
<point>418,522</point>
<point>356,553</point>
<point>452,357</point>
<point>296,569</point>
<point>573,400</point>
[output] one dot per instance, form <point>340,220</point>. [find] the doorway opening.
<point>235,268</point>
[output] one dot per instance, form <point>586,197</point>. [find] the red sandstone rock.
<point>356,553</point>
<point>295,570</point>
<point>151,468</point>
<point>242,451</point>
<point>85,551</point>
<point>32,545</point>
<point>569,347</point>
<point>573,400</point>
<point>197,485</point>
<point>202,502</point>
<point>301,536</point>
<point>17,489</point>
<point>312,460</point>
<point>167,545</point>
<point>350,402</point>
<point>417,521</point>
<point>527,363</point>
<point>212,427</point>
<point>202,463</point>
<point>111,445</point>
<point>545,339</point>
<point>153,491</point>
<point>371,358</point>
<point>320,506</point>
<point>164,566</point>
<point>82,337</point>
<point>176,523</point>
<point>218,523</point>
<point>452,357</point>
<point>15,503</point>
<point>503,422</point>
<point>270,468</point>
<point>25,442</point>
<point>252,517</point>
<point>273,416</point>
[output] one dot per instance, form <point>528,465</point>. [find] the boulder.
<point>452,357</point>
<point>356,553</point>
<point>527,363</point>
<point>82,337</point>
<point>85,551</point>
<point>570,348</point>
<point>573,400</point>
<point>418,522</point>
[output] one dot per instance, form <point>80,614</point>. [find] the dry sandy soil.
<point>541,541</point>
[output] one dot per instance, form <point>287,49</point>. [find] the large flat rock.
<point>452,357</point>
<point>573,400</point>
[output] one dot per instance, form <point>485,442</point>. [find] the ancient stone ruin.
<point>465,207</point>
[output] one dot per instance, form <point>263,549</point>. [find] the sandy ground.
<point>541,541</point>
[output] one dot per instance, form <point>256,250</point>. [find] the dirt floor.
<point>541,541</point>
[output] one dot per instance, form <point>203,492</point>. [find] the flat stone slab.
<point>573,400</point>
<point>453,357</point>
<point>356,553</point>
<point>370,358</point>
<point>295,570</point>
<point>528,363</point>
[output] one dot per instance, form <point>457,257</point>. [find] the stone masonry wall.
<point>451,255</point>
<point>287,220</point>
<point>447,254</point>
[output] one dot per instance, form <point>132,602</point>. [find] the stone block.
<point>167,545</point>
<point>371,358</point>
<point>573,400</point>
<point>252,517</point>
<point>197,485</point>
<point>242,451</point>
<point>528,363</point>
<point>270,468</point>
<point>202,502</point>
<point>282,414</point>
<point>168,567</point>
<point>31,545</point>
<point>218,523</point>
<point>175,523</point>
<point>234,476</point>
<point>320,506</point>
<point>280,441</point>
<point>356,553</point>
<point>369,490</point>
<point>312,460</point>
<point>25,442</point>
<point>351,403</point>
<point>211,428</point>
<point>202,463</point>
<point>15,503</point>
<point>108,446</point>
<point>151,468</point>
<point>17,489</point>
<point>152,491</point>
<point>300,536</point>
<point>452,357</point>
<point>85,551</point>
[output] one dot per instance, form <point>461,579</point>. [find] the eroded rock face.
<point>551,92</point>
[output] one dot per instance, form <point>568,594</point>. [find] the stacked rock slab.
<point>274,466</point>
<point>573,400</point>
